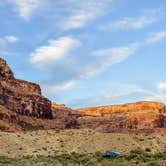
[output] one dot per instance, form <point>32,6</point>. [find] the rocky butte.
<point>22,107</point>
<point>142,116</point>
<point>21,96</point>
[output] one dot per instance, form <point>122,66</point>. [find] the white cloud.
<point>55,50</point>
<point>84,12</point>
<point>25,8</point>
<point>53,89</point>
<point>108,57</point>
<point>4,43</point>
<point>65,14</point>
<point>117,54</point>
<point>96,62</point>
<point>162,87</point>
<point>90,71</point>
<point>132,23</point>
<point>129,93</point>
<point>156,37</point>
<point>139,22</point>
<point>78,20</point>
<point>158,95</point>
<point>11,39</point>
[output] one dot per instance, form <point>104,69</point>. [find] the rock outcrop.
<point>21,96</point>
<point>65,116</point>
<point>22,107</point>
<point>12,122</point>
<point>128,117</point>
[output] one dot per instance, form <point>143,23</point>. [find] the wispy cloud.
<point>98,61</point>
<point>156,37</point>
<point>4,43</point>
<point>117,54</point>
<point>55,50</point>
<point>111,56</point>
<point>54,89</point>
<point>147,18</point>
<point>159,94</point>
<point>10,39</point>
<point>25,8</point>
<point>133,94</point>
<point>83,13</point>
<point>106,58</point>
<point>66,14</point>
<point>161,87</point>
<point>127,93</point>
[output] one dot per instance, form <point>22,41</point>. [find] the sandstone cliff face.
<point>22,107</point>
<point>21,96</point>
<point>65,116</point>
<point>124,108</point>
<point>13,122</point>
<point>5,71</point>
<point>134,116</point>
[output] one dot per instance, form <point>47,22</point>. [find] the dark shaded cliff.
<point>21,96</point>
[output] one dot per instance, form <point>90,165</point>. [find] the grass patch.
<point>136,157</point>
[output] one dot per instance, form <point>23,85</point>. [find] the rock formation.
<point>22,107</point>
<point>21,96</point>
<point>134,116</point>
<point>65,115</point>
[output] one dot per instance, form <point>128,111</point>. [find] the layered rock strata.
<point>22,97</point>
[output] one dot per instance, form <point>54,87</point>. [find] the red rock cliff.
<point>134,116</point>
<point>21,96</point>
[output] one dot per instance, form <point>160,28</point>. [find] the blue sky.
<point>87,53</point>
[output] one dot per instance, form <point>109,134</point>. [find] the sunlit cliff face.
<point>130,108</point>
<point>140,116</point>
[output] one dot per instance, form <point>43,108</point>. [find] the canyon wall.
<point>20,96</point>
<point>133,117</point>
<point>22,107</point>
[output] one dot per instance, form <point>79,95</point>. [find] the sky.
<point>87,53</point>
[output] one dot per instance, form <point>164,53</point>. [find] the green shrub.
<point>147,149</point>
<point>135,158</point>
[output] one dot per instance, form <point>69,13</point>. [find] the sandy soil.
<point>52,142</point>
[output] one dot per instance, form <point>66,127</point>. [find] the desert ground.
<point>82,147</point>
<point>83,141</point>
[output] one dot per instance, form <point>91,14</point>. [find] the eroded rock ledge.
<point>134,116</point>
<point>22,97</point>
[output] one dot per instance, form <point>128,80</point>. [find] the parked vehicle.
<point>111,154</point>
